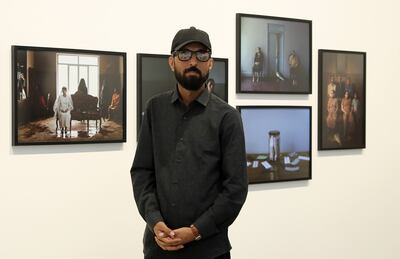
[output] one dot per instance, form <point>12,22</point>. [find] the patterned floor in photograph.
<point>45,131</point>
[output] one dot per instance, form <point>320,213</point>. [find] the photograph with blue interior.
<point>274,54</point>
<point>278,142</point>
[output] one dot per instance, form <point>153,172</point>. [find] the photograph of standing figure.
<point>273,54</point>
<point>341,99</point>
<point>68,96</point>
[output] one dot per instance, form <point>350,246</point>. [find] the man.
<point>189,172</point>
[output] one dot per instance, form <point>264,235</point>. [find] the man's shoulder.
<point>221,105</point>
<point>225,113</point>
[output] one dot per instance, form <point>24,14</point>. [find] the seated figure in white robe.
<point>62,109</point>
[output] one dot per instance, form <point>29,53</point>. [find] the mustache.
<point>192,69</point>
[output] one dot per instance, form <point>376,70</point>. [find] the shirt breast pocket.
<point>208,145</point>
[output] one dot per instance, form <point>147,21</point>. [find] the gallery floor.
<point>45,130</point>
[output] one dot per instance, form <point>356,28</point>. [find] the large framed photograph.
<point>68,96</point>
<point>273,55</point>
<point>341,99</point>
<point>278,142</point>
<point>154,76</point>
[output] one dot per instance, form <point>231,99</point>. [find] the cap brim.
<point>187,42</point>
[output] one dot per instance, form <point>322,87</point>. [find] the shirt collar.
<point>175,95</point>
<point>202,98</point>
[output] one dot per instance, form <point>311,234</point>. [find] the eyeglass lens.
<point>185,55</point>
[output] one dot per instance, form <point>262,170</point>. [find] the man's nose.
<point>193,60</point>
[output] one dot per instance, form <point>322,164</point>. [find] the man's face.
<point>191,74</point>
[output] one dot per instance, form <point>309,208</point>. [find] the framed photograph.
<point>154,76</point>
<point>68,96</point>
<point>341,99</point>
<point>278,142</point>
<point>273,55</point>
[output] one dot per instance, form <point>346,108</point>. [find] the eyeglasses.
<point>185,55</point>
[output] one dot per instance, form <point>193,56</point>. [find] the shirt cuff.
<point>206,226</point>
<point>153,218</point>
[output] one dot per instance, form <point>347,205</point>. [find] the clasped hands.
<point>172,240</point>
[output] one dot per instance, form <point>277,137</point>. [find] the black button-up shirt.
<point>190,168</point>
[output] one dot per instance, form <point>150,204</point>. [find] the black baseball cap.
<point>186,36</point>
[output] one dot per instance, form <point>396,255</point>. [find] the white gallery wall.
<point>75,201</point>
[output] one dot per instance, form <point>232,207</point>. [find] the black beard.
<point>191,83</point>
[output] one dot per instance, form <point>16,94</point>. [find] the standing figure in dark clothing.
<point>258,66</point>
<point>189,172</point>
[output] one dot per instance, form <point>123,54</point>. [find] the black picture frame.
<point>266,162</point>
<point>341,116</point>
<point>154,76</point>
<point>280,62</point>
<point>45,70</point>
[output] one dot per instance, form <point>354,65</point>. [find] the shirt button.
<point>173,204</point>
<point>184,118</point>
<point>181,139</point>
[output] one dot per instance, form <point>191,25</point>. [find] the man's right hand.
<point>165,237</point>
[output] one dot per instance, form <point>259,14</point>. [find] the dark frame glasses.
<point>185,55</point>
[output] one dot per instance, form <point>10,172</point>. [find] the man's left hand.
<point>185,234</point>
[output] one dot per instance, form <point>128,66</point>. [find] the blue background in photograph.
<point>293,124</point>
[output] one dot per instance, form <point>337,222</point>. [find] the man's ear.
<point>210,66</point>
<point>171,63</point>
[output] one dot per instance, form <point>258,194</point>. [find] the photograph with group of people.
<point>342,97</point>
